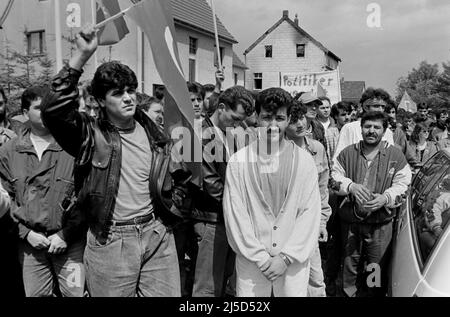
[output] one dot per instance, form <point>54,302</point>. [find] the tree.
<point>20,71</point>
<point>422,85</point>
<point>443,85</point>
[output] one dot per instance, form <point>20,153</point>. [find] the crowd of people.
<point>95,201</point>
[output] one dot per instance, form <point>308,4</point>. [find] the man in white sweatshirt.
<point>272,206</point>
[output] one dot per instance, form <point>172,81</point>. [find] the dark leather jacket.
<point>207,200</point>
<point>96,145</point>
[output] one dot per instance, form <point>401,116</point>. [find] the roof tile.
<point>198,13</point>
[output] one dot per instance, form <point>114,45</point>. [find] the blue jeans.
<point>365,244</point>
<point>215,260</point>
<point>136,260</point>
<point>42,271</point>
<point>316,284</point>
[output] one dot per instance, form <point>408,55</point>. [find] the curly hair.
<point>238,95</point>
<point>273,99</point>
<point>31,94</point>
<point>343,106</point>
<point>375,116</point>
<point>372,93</point>
<point>417,129</point>
<point>196,88</point>
<point>298,111</point>
<point>112,75</point>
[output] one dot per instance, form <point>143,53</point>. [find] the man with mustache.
<point>373,175</point>
<point>272,206</point>
<point>371,100</point>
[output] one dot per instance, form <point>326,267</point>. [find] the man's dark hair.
<point>340,106</point>
<point>322,98</point>
<point>160,92</point>
<point>3,95</point>
<point>146,105</point>
<point>298,111</point>
<point>112,75</point>
<point>209,87</point>
<point>422,105</point>
<point>31,94</point>
<point>372,93</point>
<point>417,129</point>
<point>390,105</point>
<point>273,99</point>
<point>441,111</point>
<point>196,88</point>
<point>375,116</point>
<point>238,95</point>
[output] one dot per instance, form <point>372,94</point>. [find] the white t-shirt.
<point>40,143</point>
<point>326,124</point>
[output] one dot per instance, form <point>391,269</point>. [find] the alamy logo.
<point>374,277</point>
<point>74,278</point>
<point>374,17</point>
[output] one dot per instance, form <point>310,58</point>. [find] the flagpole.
<point>58,42</point>
<point>339,83</point>
<point>94,22</point>
<point>112,18</point>
<point>216,34</point>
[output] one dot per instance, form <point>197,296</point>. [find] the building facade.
<point>285,48</point>
<point>30,29</point>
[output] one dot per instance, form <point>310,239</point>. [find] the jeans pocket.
<point>100,241</point>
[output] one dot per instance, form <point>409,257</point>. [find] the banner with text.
<point>304,82</point>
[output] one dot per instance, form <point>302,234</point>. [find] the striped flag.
<point>155,19</point>
<point>321,92</point>
<point>407,103</point>
<point>114,32</point>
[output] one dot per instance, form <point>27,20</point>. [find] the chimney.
<point>285,14</point>
<point>296,19</point>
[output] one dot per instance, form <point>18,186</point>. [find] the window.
<point>192,70</point>
<point>300,50</point>
<point>193,45</point>
<point>215,55</point>
<point>431,204</point>
<point>258,81</point>
<point>268,51</point>
<point>35,43</point>
<point>331,63</point>
<point>235,79</point>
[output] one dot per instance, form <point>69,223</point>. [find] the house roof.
<point>237,62</point>
<point>299,29</point>
<point>198,14</point>
<point>352,90</point>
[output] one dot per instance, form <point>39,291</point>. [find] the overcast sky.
<point>411,31</point>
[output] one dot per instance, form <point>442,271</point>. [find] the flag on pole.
<point>111,33</point>
<point>407,103</point>
<point>154,17</point>
<point>321,92</point>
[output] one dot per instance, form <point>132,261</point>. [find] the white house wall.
<point>284,59</point>
<point>33,15</point>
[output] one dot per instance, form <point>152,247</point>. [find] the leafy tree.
<point>422,85</point>
<point>443,85</point>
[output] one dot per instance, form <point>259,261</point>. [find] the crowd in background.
<point>73,225</point>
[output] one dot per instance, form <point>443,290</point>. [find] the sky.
<point>411,31</point>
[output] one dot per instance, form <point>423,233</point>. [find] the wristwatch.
<point>285,259</point>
